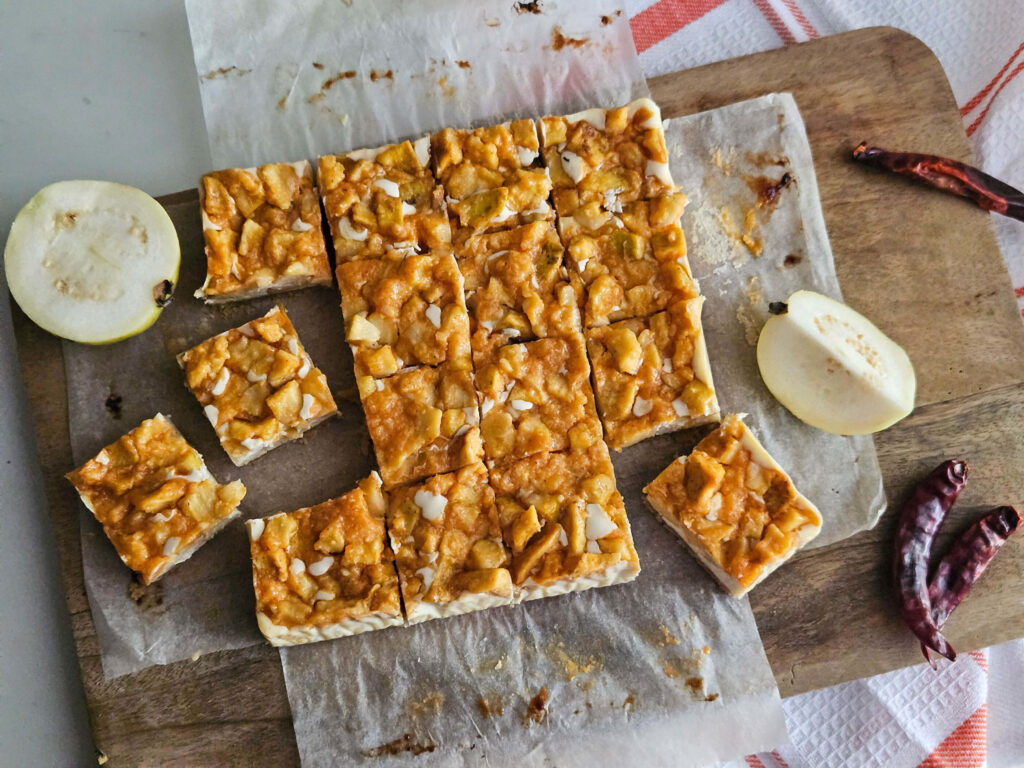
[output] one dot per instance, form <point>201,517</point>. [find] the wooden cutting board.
<point>924,266</point>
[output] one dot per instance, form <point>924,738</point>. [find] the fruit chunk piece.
<point>92,261</point>
<point>832,368</point>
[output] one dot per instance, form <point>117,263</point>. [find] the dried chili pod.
<point>948,175</point>
<point>967,560</point>
<point>922,515</point>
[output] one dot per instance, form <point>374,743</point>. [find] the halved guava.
<point>833,368</point>
<point>92,261</point>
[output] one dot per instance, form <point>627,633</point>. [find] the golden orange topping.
<point>385,199</point>
<point>736,502</point>
<point>262,231</point>
<point>404,312</point>
<point>448,545</point>
<point>562,517</point>
<point>155,497</point>
<point>423,422</point>
<point>325,567</point>
<point>492,176</point>
<point>257,385</point>
<point>651,374</point>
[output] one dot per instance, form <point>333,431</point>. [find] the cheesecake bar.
<point>325,571</point>
<point>734,506</point>
<point>402,312</point>
<point>606,156</point>
<point>262,232</point>
<point>423,421</point>
<point>652,375</point>
<point>632,263</point>
<point>533,397</point>
<point>517,288</point>
<point>155,498</point>
<point>564,522</point>
<point>257,386</point>
<point>493,177</point>
<point>384,199</point>
<point>448,547</point>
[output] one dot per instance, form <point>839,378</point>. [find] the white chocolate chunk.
<point>666,365</point>
<point>593,546</point>
<point>422,149</point>
<point>505,214</point>
<point>221,383</point>
<point>408,209</point>
<point>485,406</point>
<point>433,313</point>
<point>572,164</point>
<point>163,517</point>
<point>303,369</point>
<point>659,171</point>
<point>430,504</point>
<point>389,187</point>
<point>321,566</point>
<point>253,378</point>
<point>642,406</point>
<point>256,528</point>
<point>300,226</point>
<point>427,574</point>
<point>526,156</point>
<point>212,414</point>
<point>307,406</point>
<point>293,345</point>
<point>297,566</point>
<point>171,545</point>
<point>323,594</point>
<point>679,407</point>
<point>346,230</point>
<point>599,524</point>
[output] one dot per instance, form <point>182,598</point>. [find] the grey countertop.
<point>102,90</point>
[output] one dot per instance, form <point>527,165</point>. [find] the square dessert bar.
<point>423,421</point>
<point>535,397</point>
<point>383,199</point>
<point>652,375</point>
<point>257,385</point>
<point>632,263</point>
<point>404,312</point>
<point>609,157</point>
<point>564,522</point>
<point>262,232</point>
<point>448,545</point>
<point>155,498</point>
<point>517,288</point>
<point>325,571</point>
<point>492,177</point>
<point>734,506</point>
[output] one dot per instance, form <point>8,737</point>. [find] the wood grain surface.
<point>924,266</point>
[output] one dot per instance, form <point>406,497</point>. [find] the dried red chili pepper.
<point>949,175</point>
<point>967,560</point>
<point>921,517</point>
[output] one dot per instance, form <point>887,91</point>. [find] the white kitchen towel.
<point>954,717</point>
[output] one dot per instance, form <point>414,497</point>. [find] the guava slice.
<point>833,368</point>
<point>92,261</point>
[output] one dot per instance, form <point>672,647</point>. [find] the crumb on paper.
<point>231,71</point>
<point>528,7</point>
<point>431,703</point>
<point>464,64</point>
<point>195,656</point>
<point>792,260</point>
<point>749,312</point>
<point>537,709</point>
<point>490,705</point>
<point>560,41</point>
<point>572,668</point>
<point>113,404</point>
<point>148,598</point>
<point>404,743</point>
<point>375,75</point>
<point>330,81</point>
<point>668,638</point>
<point>499,663</point>
<point>317,65</point>
<point>101,758</point>
<point>446,89</point>
<point>606,19</point>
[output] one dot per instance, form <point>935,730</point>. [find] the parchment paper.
<point>722,159</point>
<point>287,79</point>
<point>624,656</point>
